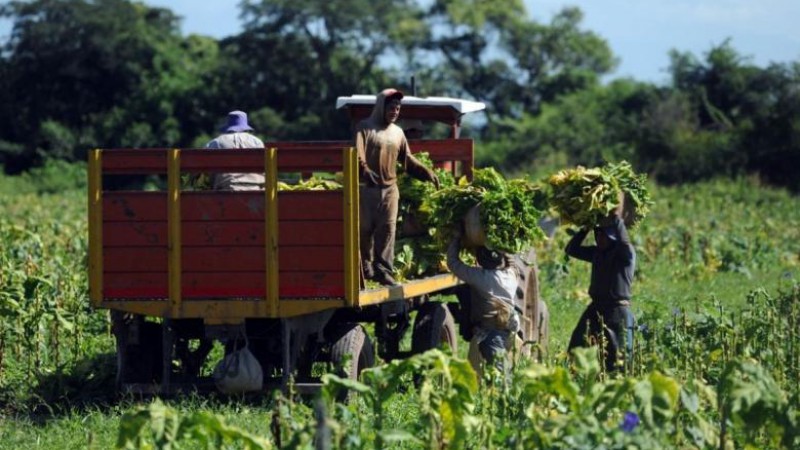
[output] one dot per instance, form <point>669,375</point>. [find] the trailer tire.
<point>138,363</point>
<point>434,327</point>
<point>353,341</point>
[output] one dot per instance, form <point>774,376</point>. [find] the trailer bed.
<point>228,256</point>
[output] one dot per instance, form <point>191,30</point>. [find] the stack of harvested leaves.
<point>416,251</point>
<point>509,210</point>
<point>583,197</point>
<point>311,184</point>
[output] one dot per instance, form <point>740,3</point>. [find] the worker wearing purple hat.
<point>235,135</point>
<point>381,145</point>
<point>608,317</point>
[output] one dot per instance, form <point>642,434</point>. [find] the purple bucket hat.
<point>237,121</point>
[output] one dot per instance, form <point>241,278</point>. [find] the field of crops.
<point>717,360</point>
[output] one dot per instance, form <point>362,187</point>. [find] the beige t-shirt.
<point>380,149</point>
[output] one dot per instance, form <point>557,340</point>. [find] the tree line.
<point>81,74</point>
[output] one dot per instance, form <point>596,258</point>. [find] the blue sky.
<point>640,32</point>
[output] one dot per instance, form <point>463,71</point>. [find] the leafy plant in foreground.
<point>161,427</point>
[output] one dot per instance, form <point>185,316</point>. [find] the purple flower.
<point>629,422</point>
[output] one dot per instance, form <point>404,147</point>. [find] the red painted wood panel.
<point>310,159</point>
<point>134,161</point>
<point>229,234</point>
<point>135,234</point>
<point>310,205</point>
<point>222,259</point>
<point>223,285</point>
<point>135,285</point>
<point>135,259</point>
<point>134,206</point>
<point>310,233</point>
<point>252,284</point>
<point>222,206</point>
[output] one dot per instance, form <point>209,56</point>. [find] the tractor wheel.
<point>434,327</point>
<point>352,352</point>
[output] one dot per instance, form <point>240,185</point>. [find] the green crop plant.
<point>161,427</point>
<point>446,393</point>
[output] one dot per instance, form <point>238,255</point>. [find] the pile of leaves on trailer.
<point>417,253</point>
<point>583,197</point>
<point>313,183</point>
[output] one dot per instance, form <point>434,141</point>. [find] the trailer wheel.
<point>352,352</point>
<point>139,360</point>
<point>434,327</point>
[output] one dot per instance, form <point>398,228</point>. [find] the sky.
<point>640,32</point>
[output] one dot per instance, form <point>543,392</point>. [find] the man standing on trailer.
<point>493,316</point>
<point>608,317</point>
<point>235,135</point>
<point>381,145</point>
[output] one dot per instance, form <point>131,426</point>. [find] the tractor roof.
<point>441,109</point>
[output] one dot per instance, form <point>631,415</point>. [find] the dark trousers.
<point>378,211</point>
<point>613,324</point>
<point>493,348</point>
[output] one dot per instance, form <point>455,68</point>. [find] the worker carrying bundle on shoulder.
<point>493,315</point>
<point>608,318</point>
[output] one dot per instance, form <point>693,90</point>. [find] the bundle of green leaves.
<point>584,197</point>
<point>637,197</point>
<point>417,254</point>
<point>413,192</point>
<point>509,210</point>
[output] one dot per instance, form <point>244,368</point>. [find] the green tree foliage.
<point>298,56</point>
<point>105,73</point>
<point>494,52</point>
<point>737,117</point>
<point>77,74</point>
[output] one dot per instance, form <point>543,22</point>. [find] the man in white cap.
<point>235,135</point>
<point>381,145</point>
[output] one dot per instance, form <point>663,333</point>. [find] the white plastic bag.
<point>238,372</point>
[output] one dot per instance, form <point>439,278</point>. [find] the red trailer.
<point>180,269</point>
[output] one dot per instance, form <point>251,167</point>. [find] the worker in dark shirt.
<point>608,317</point>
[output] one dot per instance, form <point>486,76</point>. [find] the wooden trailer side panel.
<point>222,245</point>
<point>455,155</point>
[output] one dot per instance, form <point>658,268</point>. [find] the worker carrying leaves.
<point>608,319</point>
<point>493,316</point>
<point>381,145</point>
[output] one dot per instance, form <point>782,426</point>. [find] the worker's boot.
<point>385,279</point>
